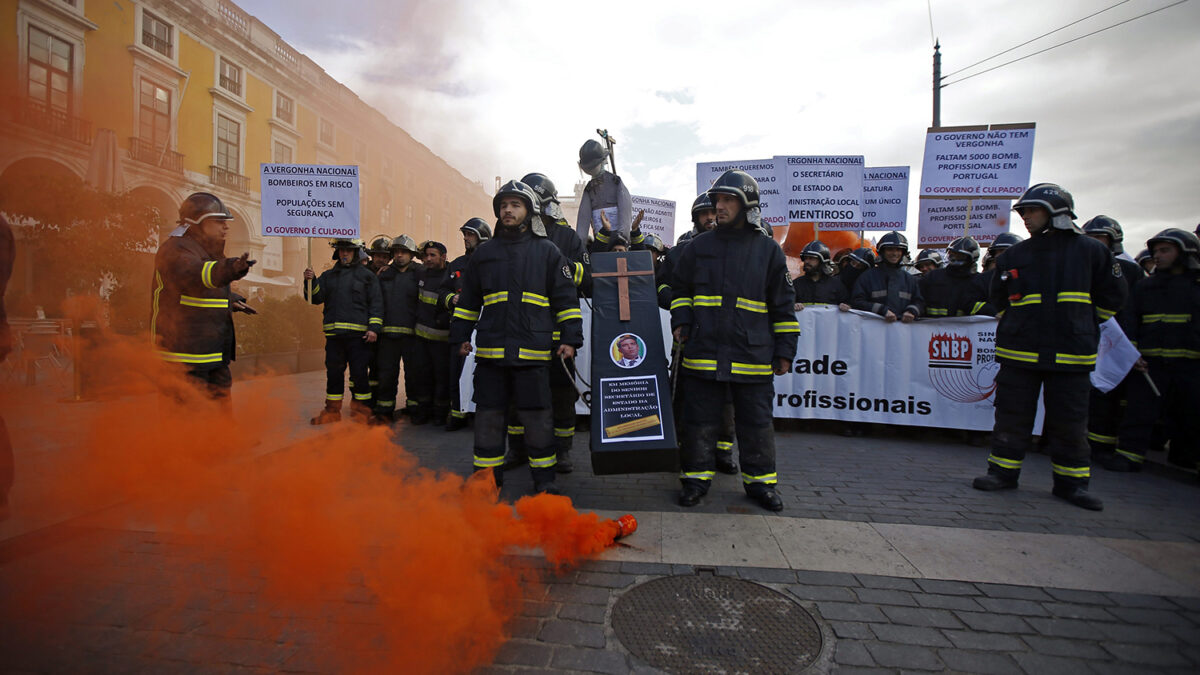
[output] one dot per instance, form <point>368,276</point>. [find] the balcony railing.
<point>234,17</point>
<point>228,179</point>
<point>53,120</point>
<point>144,151</point>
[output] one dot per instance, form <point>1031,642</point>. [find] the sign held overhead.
<point>977,162</point>
<point>309,200</point>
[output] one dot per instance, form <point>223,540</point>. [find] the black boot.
<point>767,497</point>
<point>419,414</point>
<point>564,464</point>
<point>1119,463</point>
<point>458,420</point>
<point>515,455</point>
<point>1078,495</point>
<point>991,482</point>
<point>725,463</point>
<point>690,494</point>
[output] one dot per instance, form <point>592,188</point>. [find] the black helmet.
<point>1110,227</point>
<point>405,243</point>
<point>1143,256</point>
<point>380,244</point>
<point>479,226</point>
<point>591,155</point>
<point>1188,243</point>
<point>200,206</point>
<point>892,239</point>
<point>736,183</point>
<point>1003,241</point>
<point>547,194</point>
<point>526,194</point>
<point>965,246</point>
<point>816,249</point>
<point>652,242</point>
<point>703,203</point>
<point>929,255</point>
<point>863,255</point>
<point>1054,199</point>
<point>685,238</point>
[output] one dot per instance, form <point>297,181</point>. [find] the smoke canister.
<point>627,524</point>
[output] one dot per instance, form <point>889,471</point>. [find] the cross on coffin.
<point>622,274</point>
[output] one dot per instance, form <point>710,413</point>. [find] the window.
<point>231,77</point>
<point>285,109</point>
<point>154,114</point>
<point>327,132</point>
<point>158,35</point>
<point>228,144</point>
<point>283,153</point>
<point>50,76</point>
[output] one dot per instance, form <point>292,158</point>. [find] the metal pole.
<point>612,157</point>
<point>937,84</point>
<point>967,225</point>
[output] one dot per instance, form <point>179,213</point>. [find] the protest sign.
<point>941,221</point>
<point>659,218</point>
<point>309,200</point>
<point>770,185</point>
<point>824,189</point>
<point>884,200</point>
<point>977,162</point>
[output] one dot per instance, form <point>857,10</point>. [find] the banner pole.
<point>967,225</point>
<point>308,282</point>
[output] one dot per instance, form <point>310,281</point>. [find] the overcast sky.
<point>502,88</point>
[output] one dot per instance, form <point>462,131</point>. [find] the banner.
<point>941,221</point>
<point>659,218</point>
<point>824,189</point>
<point>1115,356</point>
<point>977,161</point>
<point>771,200</point>
<point>885,200</point>
<point>309,200</point>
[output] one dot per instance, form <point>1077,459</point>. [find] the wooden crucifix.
<point>622,274</point>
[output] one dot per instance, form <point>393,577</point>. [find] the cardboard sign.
<point>885,199</point>
<point>771,200</point>
<point>977,161</point>
<point>941,221</point>
<point>659,218</point>
<point>309,200</point>
<point>824,189</point>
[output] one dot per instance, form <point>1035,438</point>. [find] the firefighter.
<point>475,231</point>
<point>1105,408</point>
<point>397,340</point>
<point>927,261</point>
<point>563,393</point>
<point>1053,290</point>
<point>887,290</point>
<point>517,290</point>
<point>433,335</point>
<point>955,290</point>
<point>604,193</point>
<point>818,287</point>
<point>380,251</point>
<point>1000,244</point>
<point>1146,261</point>
<point>1163,321</point>
<point>854,265</point>
<point>191,302</point>
<point>733,313</point>
<point>352,317</point>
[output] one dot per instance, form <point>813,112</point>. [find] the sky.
<point>503,88</point>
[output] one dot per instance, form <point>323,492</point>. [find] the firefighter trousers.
<point>1065,397</point>
<point>1105,410</point>
<point>348,349</point>
<point>1178,380</point>
<point>434,391</point>
<point>391,351</point>
<point>702,413</point>
<point>528,389</point>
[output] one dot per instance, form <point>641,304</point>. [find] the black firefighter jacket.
<point>352,299</point>
<point>517,292</point>
<point>1051,292</point>
<point>1163,317</point>
<point>433,304</point>
<point>885,287</point>
<point>399,287</point>
<point>575,252</point>
<point>955,291</point>
<point>734,299</point>
<point>190,315</point>
<point>825,291</point>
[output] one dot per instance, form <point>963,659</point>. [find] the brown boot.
<point>331,413</point>
<point>359,411</point>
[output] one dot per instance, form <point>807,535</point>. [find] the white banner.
<point>941,221</point>
<point>309,200</point>
<point>659,217</point>
<point>885,200</point>
<point>771,200</point>
<point>1114,358</point>
<point>977,161</point>
<point>824,189</point>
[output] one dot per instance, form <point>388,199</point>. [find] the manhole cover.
<point>688,624</point>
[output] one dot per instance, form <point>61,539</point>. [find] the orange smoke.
<point>395,567</point>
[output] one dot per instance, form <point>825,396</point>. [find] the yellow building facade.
<point>167,97</point>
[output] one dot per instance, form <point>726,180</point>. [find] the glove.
<point>242,265</point>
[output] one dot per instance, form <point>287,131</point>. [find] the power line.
<point>1067,42</point>
<point>1035,39</point>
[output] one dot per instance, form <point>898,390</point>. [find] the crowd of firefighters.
<point>512,299</point>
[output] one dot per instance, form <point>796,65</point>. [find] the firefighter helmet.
<point>893,239</point>
<point>965,247</point>
<point>737,184</point>
<point>685,238</point>
<point>591,155</point>
<point>652,242</point>
<point>479,226</point>
<point>345,243</point>
<point>405,243</point>
<point>863,255</point>
<point>1188,243</point>
<point>1143,256</point>
<point>703,203</point>
<point>1054,199</point>
<point>515,188</point>
<point>547,194</point>
<point>380,244</point>
<point>929,255</point>
<point>1107,226</point>
<point>200,206</point>
<point>816,249</point>
<point>1003,241</point>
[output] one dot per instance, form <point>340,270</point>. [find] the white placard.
<point>771,200</point>
<point>824,189</point>
<point>941,221</point>
<point>978,161</point>
<point>885,198</point>
<point>659,218</point>
<point>309,200</point>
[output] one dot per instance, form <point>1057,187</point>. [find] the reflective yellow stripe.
<point>1166,318</point>
<point>1004,463</point>
<point>493,298</point>
<point>700,364</point>
<point>786,327</point>
<point>1075,359</point>
<point>602,238</point>
<point>375,321</point>
<point>577,277</point>
<point>768,478</point>
<point>334,397</point>
<point>698,475</point>
<point>212,303</point>
<point>564,432</point>
<point>751,305</point>
<point>435,334</point>
<point>206,274</point>
<point>158,286</point>
<point>937,311</point>
<point>489,353</point>
<point>182,357</point>
<point>1075,296</point>
<point>681,302</point>
<point>516,430</point>
<point>662,287</point>
<point>556,335</point>
<point>397,330</point>
<point>1031,299</point>
<point>458,414</point>
<point>978,307</point>
<point>1171,353</point>
<point>568,314</point>
<point>1072,471</point>
<point>341,325</point>
<point>1028,357</point>
<point>1132,456</point>
<point>488,462</point>
<point>533,354</point>
<point>428,297</point>
<point>362,397</point>
<point>1101,438</point>
<point>725,445</point>
<point>750,368</point>
<point>316,289</point>
<point>385,404</point>
<point>543,462</point>
<point>1105,314</point>
<point>706,301</point>
<point>535,299</point>
<point>465,314</point>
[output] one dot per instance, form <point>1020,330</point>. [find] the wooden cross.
<point>622,274</point>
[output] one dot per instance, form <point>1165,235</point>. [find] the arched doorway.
<point>164,205</point>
